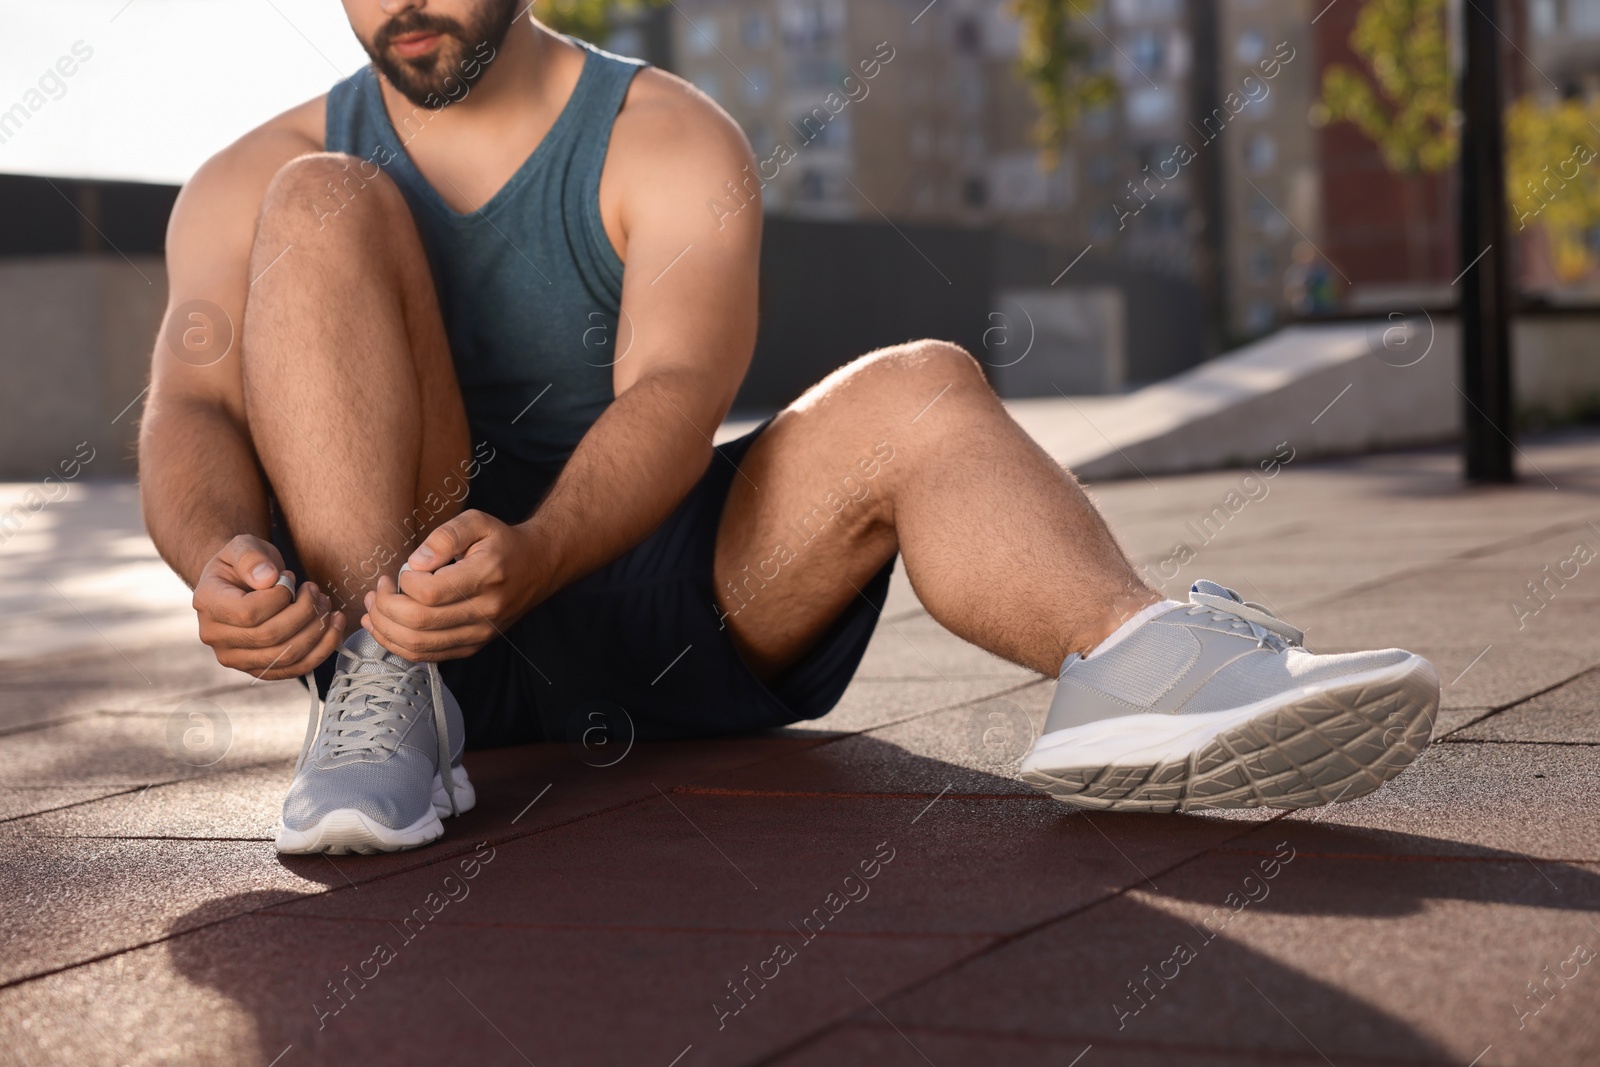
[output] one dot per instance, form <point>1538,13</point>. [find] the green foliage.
<point>1409,113</point>
<point>591,20</point>
<point>1054,62</point>
<point>1552,179</point>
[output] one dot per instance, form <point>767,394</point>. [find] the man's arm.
<point>204,501</point>
<point>689,296</point>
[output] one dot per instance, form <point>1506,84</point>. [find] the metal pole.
<point>1485,289</point>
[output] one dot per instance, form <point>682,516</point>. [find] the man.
<point>486,329</point>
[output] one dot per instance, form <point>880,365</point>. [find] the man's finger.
<point>402,608</point>
<point>450,540</point>
<point>221,601</point>
<point>282,623</point>
<point>256,561</point>
<point>326,643</point>
<point>422,645</point>
<point>298,647</point>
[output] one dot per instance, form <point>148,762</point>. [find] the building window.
<point>1145,52</point>
<point>757,84</point>
<point>701,35</point>
<point>1250,47</point>
<point>1265,217</point>
<point>756,29</point>
<point>811,23</point>
<point>1260,152</point>
<point>1262,266</point>
<point>627,41</point>
<point>1260,317</point>
<point>1098,120</point>
<point>968,36</point>
<point>709,84</point>
<point>818,187</point>
<point>1151,107</point>
<point>1101,170</point>
<point>1583,18</point>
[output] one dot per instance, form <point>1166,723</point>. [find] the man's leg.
<point>1210,704</point>
<point>351,397</point>
<point>1000,543</point>
<point>356,416</point>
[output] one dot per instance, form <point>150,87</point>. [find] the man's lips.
<point>412,45</point>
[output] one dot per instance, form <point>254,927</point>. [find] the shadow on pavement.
<point>582,992</point>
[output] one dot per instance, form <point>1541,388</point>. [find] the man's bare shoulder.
<point>236,178</point>
<point>668,131</point>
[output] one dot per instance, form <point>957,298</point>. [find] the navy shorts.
<point>637,648</point>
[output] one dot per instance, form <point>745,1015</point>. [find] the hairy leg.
<point>908,447</point>
<point>351,397</point>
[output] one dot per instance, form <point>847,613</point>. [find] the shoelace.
<point>1263,625</point>
<point>383,687</point>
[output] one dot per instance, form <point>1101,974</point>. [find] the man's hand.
<point>468,581</point>
<point>256,625</point>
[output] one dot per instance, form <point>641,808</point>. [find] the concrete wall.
<point>1045,342</point>
<point>1326,390</point>
<point>75,340</point>
<point>76,334</point>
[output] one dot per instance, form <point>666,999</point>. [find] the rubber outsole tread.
<point>1338,744</point>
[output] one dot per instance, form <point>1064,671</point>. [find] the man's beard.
<point>445,75</point>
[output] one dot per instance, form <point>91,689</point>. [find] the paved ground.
<point>693,903</point>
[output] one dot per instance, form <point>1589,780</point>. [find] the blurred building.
<point>1392,238</point>
<point>1271,170</point>
<point>1168,181</point>
<point>891,106</point>
<point>1561,48</point>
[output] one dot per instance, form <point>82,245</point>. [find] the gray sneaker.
<point>1217,704</point>
<point>368,778</point>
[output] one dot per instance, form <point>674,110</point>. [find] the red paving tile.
<point>455,993</point>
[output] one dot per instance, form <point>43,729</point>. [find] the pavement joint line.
<point>780,1053</point>
<point>824,794</point>
<point>139,837</point>
<point>335,866</point>
<point>1410,857</point>
<point>1451,739</point>
<point>633,928</point>
<point>1519,701</point>
<point>441,856</point>
<point>1493,548</point>
<point>707,836</point>
<point>1121,853</point>
<point>845,735</point>
<point>1237,1054</point>
<point>131,788</point>
<point>932,802</point>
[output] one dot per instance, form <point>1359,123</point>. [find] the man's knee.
<point>315,192</point>
<point>917,365</point>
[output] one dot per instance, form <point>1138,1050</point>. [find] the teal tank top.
<point>529,285</point>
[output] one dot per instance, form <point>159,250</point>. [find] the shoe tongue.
<point>1206,588</point>
<point>363,644</point>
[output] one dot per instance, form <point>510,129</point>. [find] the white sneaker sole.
<point>1299,749</point>
<point>346,830</point>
